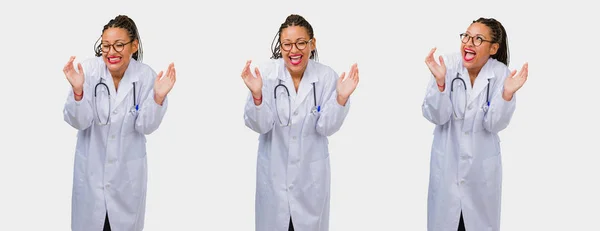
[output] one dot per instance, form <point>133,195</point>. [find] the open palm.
<point>254,84</point>
<point>515,81</point>
<point>347,84</point>
<point>163,85</point>
<point>76,79</point>
<point>438,70</point>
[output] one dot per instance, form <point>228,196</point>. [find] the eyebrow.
<point>118,40</point>
<point>289,40</point>
<point>476,34</point>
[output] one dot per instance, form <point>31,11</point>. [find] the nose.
<point>294,48</point>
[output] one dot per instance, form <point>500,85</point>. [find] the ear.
<point>135,46</point>
<point>494,48</point>
<point>313,44</point>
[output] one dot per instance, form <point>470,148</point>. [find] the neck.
<point>473,75</point>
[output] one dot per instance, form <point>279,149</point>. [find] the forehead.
<point>114,34</point>
<point>479,29</point>
<point>294,33</point>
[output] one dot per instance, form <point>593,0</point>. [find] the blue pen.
<point>319,108</point>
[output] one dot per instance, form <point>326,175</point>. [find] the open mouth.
<point>469,54</point>
<point>295,59</point>
<point>113,59</point>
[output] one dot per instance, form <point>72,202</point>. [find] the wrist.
<point>78,91</point>
<point>257,95</point>
<point>159,99</point>
<point>440,82</point>
<point>506,95</point>
<point>342,99</point>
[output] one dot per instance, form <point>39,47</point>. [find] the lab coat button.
<point>294,138</point>
<point>470,107</point>
<point>296,113</point>
<point>291,187</point>
<point>112,137</point>
<point>108,185</point>
<point>462,182</point>
<point>466,133</point>
<point>115,112</point>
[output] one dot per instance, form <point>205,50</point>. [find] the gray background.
<point>202,159</point>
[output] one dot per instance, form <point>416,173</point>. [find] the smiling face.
<point>296,47</point>
<point>475,57</point>
<point>117,49</point>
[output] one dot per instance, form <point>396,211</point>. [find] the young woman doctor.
<point>115,101</point>
<point>471,97</point>
<point>295,103</point>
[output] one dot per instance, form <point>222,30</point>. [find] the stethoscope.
<point>134,109</point>
<point>316,108</point>
<point>487,96</point>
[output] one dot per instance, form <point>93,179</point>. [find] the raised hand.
<point>163,85</point>
<point>515,81</point>
<point>347,84</point>
<point>76,79</point>
<point>438,70</point>
<point>253,83</point>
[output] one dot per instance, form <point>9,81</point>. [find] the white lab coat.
<point>466,167</point>
<point>110,171</point>
<point>293,168</point>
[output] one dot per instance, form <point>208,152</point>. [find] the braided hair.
<point>126,23</point>
<point>498,36</point>
<point>292,20</point>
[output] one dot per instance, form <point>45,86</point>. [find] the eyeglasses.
<point>476,40</point>
<point>118,46</point>
<point>287,46</point>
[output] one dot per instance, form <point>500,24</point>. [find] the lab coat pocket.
<point>321,180</point>
<point>492,171</point>
<point>478,120</point>
<point>309,126</point>
<point>129,122</point>
<point>435,166</point>
<point>264,192</point>
<point>137,170</point>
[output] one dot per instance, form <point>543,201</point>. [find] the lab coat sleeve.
<point>80,114</point>
<point>259,118</point>
<point>500,111</point>
<point>332,113</point>
<point>437,107</point>
<point>151,114</point>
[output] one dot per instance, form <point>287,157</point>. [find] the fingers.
<point>69,64</point>
<point>512,74</point>
<point>159,75</point>
<point>525,70</point>
<point>246,68</point>
<point>341,79</point>
<point>257,72</point>
<point>356,78</point>
<point>80,68</point>
<point>430,55</point>
<point>442,62</point>
<point>174,74</point>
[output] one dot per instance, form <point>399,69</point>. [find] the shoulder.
<point>323,71</point>
<point>142,70</point>
<point>499,69</point>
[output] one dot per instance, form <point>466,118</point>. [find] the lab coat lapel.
<point>305,87</point>
<point>126,84</point>
<point>481,82</point>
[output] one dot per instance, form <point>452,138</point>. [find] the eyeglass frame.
<point>295,44</point>
<point>472,38</point>
<point>113,46</point>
